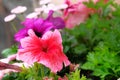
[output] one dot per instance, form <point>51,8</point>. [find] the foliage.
<point>76,76</point>
<point>35,72</point>
<point>103,62</point>
<point>11,76</point>
<point>81,39</point>
<point>95,44</point>
<point>101,29</point>
<point>100,26</point>
<point>9,51</point>
<point>39,72</point>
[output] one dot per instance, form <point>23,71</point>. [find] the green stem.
<point>21,17</point>
<point>53,75</point>
<point>42,71</point>
<point>15,29</point>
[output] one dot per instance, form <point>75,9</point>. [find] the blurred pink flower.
<point>3,72</point>
<point>8,59</point>
<point>47,50</point>
<point>7,68</point>
<point>77,12</point>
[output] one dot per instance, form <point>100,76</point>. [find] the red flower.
<point>47,50</point>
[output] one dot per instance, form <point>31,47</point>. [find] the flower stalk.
<point>14,28</point>
<point>9,66</point>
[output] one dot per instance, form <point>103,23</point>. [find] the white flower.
<point>19,9</point>
<point>32,15</point>
<point>76,1</point>
<point>58,2</point>
<point>62,6</point>
<point>38,10</point>
<point>4,60</point>
<point>21,65</point>
<point>43,2</point>
<point>9,58</point>
<point>9,17</point>
<point>45,9</point>
<point>118,79</point>
<point>49,7</point>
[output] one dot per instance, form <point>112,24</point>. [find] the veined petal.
<point>46,50</point>
<point>56,36</point>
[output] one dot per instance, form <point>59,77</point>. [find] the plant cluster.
<point>94,44</point>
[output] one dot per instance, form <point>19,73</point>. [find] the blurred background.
<point>6,30</point>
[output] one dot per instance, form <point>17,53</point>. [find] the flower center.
<point>45,49</point>
<point>38,34</point>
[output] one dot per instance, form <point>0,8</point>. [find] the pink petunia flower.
<point>47,50</point>
<point>76,12</point>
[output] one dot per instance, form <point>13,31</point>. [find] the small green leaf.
<point>76,76</point>
<point>9,51</point>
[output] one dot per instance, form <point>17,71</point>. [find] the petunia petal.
<point>57,21</point>
<point>46,50</point>
<point>56,36</point>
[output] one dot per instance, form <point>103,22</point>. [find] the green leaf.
<point>9,51</point>
<point>76,76</point>
<point>102,62</point>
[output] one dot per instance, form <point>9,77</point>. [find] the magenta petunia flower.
<point>46,50</point>
<point>40,26</point>
<point>58,22</point>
